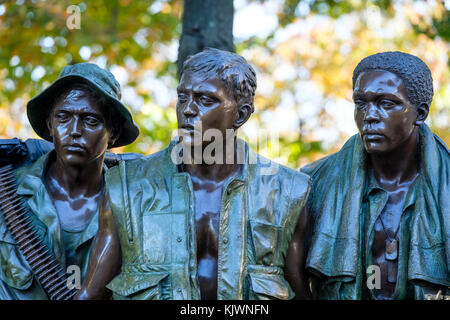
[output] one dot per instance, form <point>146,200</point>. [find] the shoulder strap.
<point>126,201</point>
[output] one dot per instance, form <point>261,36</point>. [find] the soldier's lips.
<point>187,129</point>
<point>75,147</point>
<point>372,136</point>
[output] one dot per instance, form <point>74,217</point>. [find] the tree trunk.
<point>206,23</point>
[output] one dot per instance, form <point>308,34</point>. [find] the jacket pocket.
<point>14,269</point>
<point>268,283</point>
<point>433,269</point>
<point>265,241</point>
<point>138,286</point>
<point>164,238</point>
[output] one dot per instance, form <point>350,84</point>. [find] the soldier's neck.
<point>398,167</point>
<point>213,172</point>
<point>77,180</point>
<point>220,169</point>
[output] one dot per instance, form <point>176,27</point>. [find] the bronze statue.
<point>82,115</point>
<point>203,229</point>
<point>379,208</point>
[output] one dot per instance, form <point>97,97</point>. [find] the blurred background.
<point>304,52</point>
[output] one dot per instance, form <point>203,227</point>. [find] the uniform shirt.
<point>344,204</point>
<point>153,206</point>
<point>373,204</point>
<point>17,281</point>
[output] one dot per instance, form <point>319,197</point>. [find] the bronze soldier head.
<point>81,126</point>
<point>392,92</point>
<point>82,115</point>
<point>216,89</point>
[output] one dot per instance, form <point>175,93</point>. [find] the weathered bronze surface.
<point>197,230</point>
<point>227,229</point>
<point>383,199</point>
<point>64,188</point>
<point>52,277</point>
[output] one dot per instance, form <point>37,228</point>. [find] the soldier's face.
<point>79,129</point>
<point>204,101</point>
<point>383,114</point>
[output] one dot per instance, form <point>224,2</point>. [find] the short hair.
<point>413,71</point>
<point>112,118</point>
<point>238,76</point>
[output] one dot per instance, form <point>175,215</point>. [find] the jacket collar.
<point>337,199</point>
<point>248,159</point>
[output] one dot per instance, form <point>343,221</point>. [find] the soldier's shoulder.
<point>442,145</point>
<point>311,168</point>
<point>271,169</point>
<point>35,169</point>
<point>298,177</point>
<point>327,162</point>
<point>140,167</point>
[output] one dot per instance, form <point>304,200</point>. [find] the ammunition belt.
<point>41,259</point>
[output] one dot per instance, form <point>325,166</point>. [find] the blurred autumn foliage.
<point>304,63</point>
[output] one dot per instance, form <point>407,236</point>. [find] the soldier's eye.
<point>386,104</point>
<point>61,116</point>
<point>92,121</point>
<point>182,98</point>
<point>360,104</point>
<point>205,100</point>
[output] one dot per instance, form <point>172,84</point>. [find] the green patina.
<point>17,280</point>
<point>153,205</point>
<point>344,203</point>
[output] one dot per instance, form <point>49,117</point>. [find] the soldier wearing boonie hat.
<point>81,113</point>
<point>100,80</point>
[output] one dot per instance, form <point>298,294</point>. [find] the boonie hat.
<point>101,80</point>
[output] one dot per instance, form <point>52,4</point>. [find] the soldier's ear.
<point>244,112</point>
<point>114,134</point>
<point>422,113</point>
<point>112,140</point>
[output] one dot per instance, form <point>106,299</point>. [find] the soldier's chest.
<point>75,213</point>
<point>387,224</point>
<point>208,201</point>
<point>386,241</point>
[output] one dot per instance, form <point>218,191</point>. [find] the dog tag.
<point>391,252</point>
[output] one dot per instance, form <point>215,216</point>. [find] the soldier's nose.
<point>75,130</point>
<point>190,109</point>
<point>371,113</point>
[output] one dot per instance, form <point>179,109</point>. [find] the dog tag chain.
<point>391,253</point>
